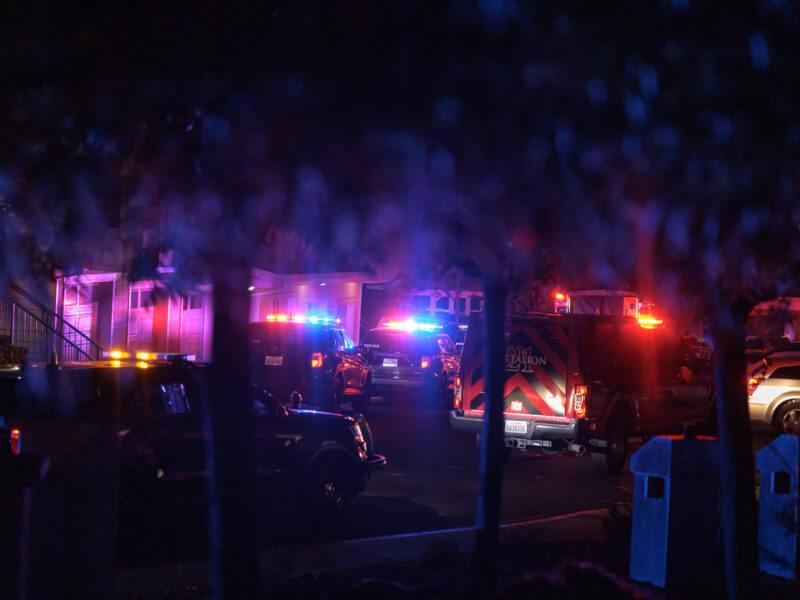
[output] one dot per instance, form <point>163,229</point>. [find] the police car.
<point>313,355</point>
<point>412,355</point>
<point>157,404</point>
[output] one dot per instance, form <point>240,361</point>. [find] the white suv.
<point>773,390</point>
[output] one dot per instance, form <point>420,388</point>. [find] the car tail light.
<point>316,360</point>
<point>425,362</point>
<point>581,391</point>
<point>752,384</point>
<point>15,441</point>
<point>457,392</point>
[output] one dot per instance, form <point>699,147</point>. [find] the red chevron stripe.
<point>474,390</point>
<point>551,354</point>
<point>518,381</point>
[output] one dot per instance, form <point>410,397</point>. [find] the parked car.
<point>312,355</point>
<point>787,350</point>
<point>323,460</point>
<point>408,356</point>
<point>773,391</point>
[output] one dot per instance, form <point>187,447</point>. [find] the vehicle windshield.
<point>400,342</point>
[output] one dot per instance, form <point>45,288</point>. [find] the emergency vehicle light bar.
<point>650,322</point>
<point>411,325</point>
<point>313,319</point>
<point>163,356</point>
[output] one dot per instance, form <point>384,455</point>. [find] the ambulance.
<point>577,383</point>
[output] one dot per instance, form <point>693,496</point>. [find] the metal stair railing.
<point>42,334</point>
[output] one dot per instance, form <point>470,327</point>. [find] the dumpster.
<point>676,510</point>
<point>778,523</point>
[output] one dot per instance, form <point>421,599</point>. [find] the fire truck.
<point>577,383</point>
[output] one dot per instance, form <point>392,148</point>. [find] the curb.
<point>370,552</point>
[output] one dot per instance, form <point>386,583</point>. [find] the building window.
<point>443,304</point>
<point>71,295</point>
<point>476,304</point>
<point>192,301</point>
<point>142,298</point>
<point>147,298</point>
<point>313,308</point>
<point>462,306</point>
<point>79,294</point>
<point>85,294</point>
<point>195,301</point>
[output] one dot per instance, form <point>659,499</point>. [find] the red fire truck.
<point>577,383</point>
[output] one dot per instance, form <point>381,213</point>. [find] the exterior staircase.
<point>30,331</point>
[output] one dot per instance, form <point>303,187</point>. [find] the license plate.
<point>273,361</point>
<point>389,362</point>
<point>516,427</point>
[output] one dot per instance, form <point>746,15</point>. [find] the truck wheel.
<point>787,419</point>
<point>613,459</point>
<point>329,487</point>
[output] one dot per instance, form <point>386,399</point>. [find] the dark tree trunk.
<point>491,448</point>
<point>739,515</point>
<point>231,503</point>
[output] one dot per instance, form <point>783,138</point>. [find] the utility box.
<point>778,520</point>
<point>676,510</point>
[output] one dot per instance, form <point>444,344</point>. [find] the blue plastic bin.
<point>676,511</point>
<point>778,523</point>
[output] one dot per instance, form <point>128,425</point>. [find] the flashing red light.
<point>457,393</point>
<point>316,360</point>
<point>581,391</point>
<point>752,384</point>
<point>15,441</point>
<point>425,362</point>
<point>559,296</point>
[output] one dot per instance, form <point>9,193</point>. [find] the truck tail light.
<point>316,360</point>
<point>425,362</point>
<point>752,384</point>
<point>581,392</point>
<point>457,393</point>
<point>15,441</point>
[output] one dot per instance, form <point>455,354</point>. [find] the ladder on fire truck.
<point>30,331</point>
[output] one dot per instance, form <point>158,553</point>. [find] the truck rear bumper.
<point>535,430</point>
